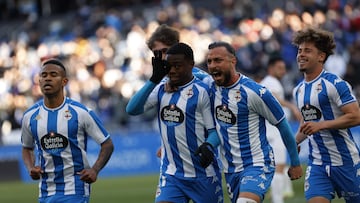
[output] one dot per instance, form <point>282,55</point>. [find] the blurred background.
<point>103,45</point>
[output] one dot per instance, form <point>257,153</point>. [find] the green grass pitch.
<point>133,189</point>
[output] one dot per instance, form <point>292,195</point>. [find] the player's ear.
<point>65,81</point>
<point>322,57</point>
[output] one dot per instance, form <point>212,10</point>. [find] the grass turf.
<point>133,189</point>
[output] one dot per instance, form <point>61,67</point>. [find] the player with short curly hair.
<point>329,109</point>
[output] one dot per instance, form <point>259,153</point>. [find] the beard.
<point>225,80</point>
<point>303,70</point>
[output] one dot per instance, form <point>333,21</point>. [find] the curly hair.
<point>165,34</point>
<point>322,39</point>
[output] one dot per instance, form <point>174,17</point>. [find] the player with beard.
<point>241,107</point>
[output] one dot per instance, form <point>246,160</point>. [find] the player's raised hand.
<point>205,151</point>
<point>160,68</point>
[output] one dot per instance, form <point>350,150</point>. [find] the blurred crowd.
<point>105,50</point>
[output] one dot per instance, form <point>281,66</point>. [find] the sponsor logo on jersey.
<point>53,142</point>
<point>310,113</point>
<point>172,115</point>
<point>225,115</point>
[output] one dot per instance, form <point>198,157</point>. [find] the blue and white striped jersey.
<point>321,99</point>
<point>184,118</point>
<point>60,135</point>
<point>240,112</point>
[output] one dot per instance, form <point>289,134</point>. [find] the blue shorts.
<point>178,190</point>
<point>325,180</point>
<point>254,179</point>
<point>64,199</point>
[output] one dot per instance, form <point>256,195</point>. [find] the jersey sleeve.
<point>27,139</point>
<point>95,128</point>
<point>344,94</point>
<point>264,103</point>
<point>206,110</point>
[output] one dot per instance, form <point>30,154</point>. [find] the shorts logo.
<point>158,192</point>
<point>310,113</point>
<point>263,176</point>
<point>262,186</point>
<point>53,142</point>
<point>225,115</point>
<point>306,185</point>
<point>171,115</point>
<point>307,173</point>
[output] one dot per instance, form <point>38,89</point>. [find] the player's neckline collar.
<point>56,108</point>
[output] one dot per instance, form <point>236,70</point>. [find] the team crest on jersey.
<point>172,115</point>
<point>67,115</point>
<point>310,113</point>
<point>224,115</point>
<point>54,142</point>
<point>319,87</point>
<point>38,117</point>
<point>237,95</point>
<point>189,93</point>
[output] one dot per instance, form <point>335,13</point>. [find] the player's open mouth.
<point>215,74</point>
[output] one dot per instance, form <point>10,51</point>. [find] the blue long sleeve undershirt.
<point>289,141</point>
<point>213,138</point>
<point>137,102</point>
